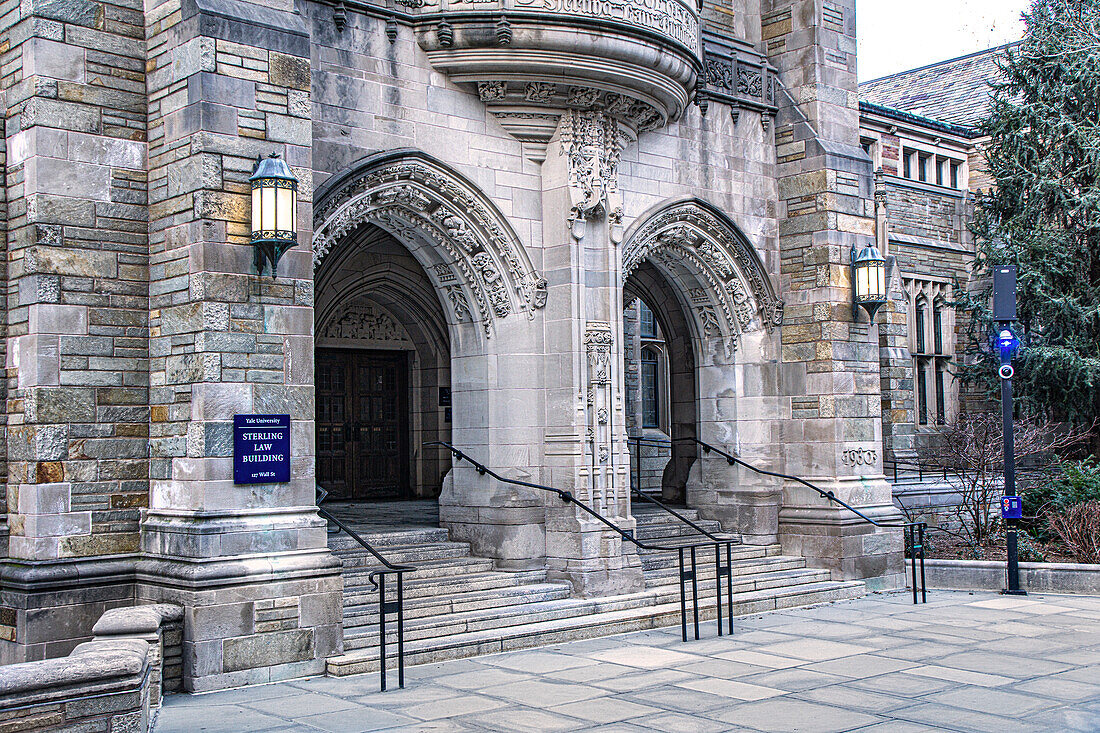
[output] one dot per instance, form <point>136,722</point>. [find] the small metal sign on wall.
<point>261,449</point>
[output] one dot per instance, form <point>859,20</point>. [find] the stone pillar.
<point>76,318</point>
<point>249,564</point>
<point>826,209</point>
<point>586,449</point>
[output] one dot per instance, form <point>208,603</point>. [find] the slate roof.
<point>955,91</point>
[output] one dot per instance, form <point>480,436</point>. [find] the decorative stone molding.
<point>646,52</point>
<point>419,201</point>
<point>363,321</point>
<point>593,143</point>
<point>695,243</point>
<point>738,77</point>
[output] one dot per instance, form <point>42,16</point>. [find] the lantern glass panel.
<point>862,281</point>
<point>256,208</point>
<point>881,271</point>
<point>267,207</point>
<point>284,209</point>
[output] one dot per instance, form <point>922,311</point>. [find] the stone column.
<point>249,564</point>
<point>586,449</point>
<point>826,209</point>
<point>76,318</point>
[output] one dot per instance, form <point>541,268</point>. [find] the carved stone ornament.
<point>592,143</point>
<point>422,204</point>
<point>538,92</point>
<point>490,91</point>
<point>363,322</point>
<point>597,342</point>
<point>691,236</point>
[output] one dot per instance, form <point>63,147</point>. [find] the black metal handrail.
<point>914,530</point>
<point>638,490</point>
<point>377,580</point>
<point>921,468</point>
<point>685,574</point>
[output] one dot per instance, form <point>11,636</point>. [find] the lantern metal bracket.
<point>268,252</point>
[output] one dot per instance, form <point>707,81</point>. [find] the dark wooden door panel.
<point>368,415</point>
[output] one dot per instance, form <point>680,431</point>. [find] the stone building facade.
<point>484,189</point>
<point>921,128</point>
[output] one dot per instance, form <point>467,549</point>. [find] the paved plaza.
<point>963,662</point>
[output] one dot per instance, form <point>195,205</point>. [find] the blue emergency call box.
<point>1011,507</point>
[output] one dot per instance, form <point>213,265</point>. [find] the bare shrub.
<point>971,449</point>
<point>1078,527</point>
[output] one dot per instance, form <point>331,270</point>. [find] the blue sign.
<point>1011,507</point>
<point>261,449</point>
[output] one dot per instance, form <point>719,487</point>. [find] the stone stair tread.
<point>515,594</point>
<point>424,568</point>
<point>577,606</point>
<point>479,582</point>
<point>609,622</point>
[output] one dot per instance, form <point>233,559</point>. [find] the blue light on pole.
<point>1007,343</point>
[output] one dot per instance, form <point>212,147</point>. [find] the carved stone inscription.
<point>670,18</point>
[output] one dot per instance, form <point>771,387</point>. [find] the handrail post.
<point>401,630</point>
<point>694,593</point>
<point>718,583</point>
<point>382,628</point>
<point>912,535</point>
<point>923,583</point>
<point>729,583</point>
<point>683,597</point>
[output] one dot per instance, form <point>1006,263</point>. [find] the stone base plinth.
<point>48,607</point>
<point>848,546</point>
<point>271,614</point>
<point>593,558</point>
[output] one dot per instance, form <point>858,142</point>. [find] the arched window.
<point>647,320</point>
<point>919,324</point>
<point>650,387</point>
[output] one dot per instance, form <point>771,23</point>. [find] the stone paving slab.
<point>964,662</point>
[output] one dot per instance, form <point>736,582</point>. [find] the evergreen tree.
<point>1043,213</point>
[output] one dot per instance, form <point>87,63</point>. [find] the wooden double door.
<point>363,423</point>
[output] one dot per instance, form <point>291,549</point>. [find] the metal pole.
<point>923,585</point>
<point>683,597</point>
<point>382,628</point>
<point>729,583</point>
<point>718,582</point>
<point>401,630</point>
<point>913,558</point>
<point>1010,484</point>
<point>694,593</point>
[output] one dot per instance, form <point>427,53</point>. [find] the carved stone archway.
<point>696,245</point>
<point>479,265</point>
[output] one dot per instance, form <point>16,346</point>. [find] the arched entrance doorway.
<point>716,308</point>
<point>422,288</point>
<point>661,400</point>
<point>382,372</point>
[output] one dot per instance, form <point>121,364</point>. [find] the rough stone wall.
<point>916,211</point>
<point>826,210</point>
<point>74,83</point>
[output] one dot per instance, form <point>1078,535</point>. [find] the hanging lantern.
<point>274,211</point>
<point>868,281</point>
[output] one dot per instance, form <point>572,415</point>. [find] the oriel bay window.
<point>931,343</point>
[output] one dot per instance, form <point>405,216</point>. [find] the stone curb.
<point>1035,577</point>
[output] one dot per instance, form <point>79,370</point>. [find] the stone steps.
<point>540,633</point>
<point>496,618</point>
<point>457,605</point>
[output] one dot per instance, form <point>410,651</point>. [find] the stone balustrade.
<point>113,683</point>
<point>102,685</point>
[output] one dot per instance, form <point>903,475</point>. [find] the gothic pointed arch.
<point>693,243</point>
<point>478,263</point>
